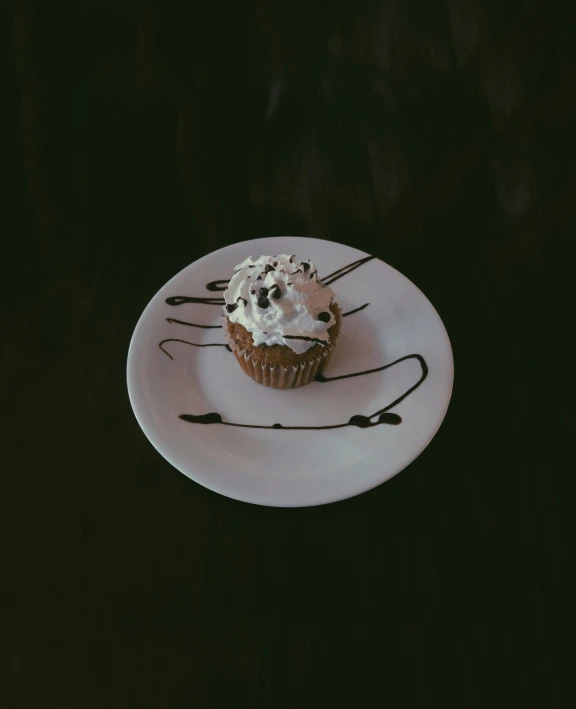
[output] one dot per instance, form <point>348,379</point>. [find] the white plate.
<point>292,467</point>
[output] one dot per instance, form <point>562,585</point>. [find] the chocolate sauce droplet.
<point>292,259</point>
<point>252,292</point>
<point>275,292</point>
<point>275,264</point>
<point>305,266</point>
<point>269,268</point>
<point>263,292</point>
<point>360,421</point>
<point>392,419</point>
<point>259,277</point>
<point>325,317</point>
<point>242,300</point>
<point>231,308</point>
<point>263,303</point>
<point>203,418</point>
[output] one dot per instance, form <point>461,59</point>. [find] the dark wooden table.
<point>439,137</point>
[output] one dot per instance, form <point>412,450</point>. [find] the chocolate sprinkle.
<point>305,266</point>
<point>263,302</point>
<point>231,308</point>
<point>243,300</point>
<point>295,272</point>
<point>292,259</point>
<point>275,292</point>
<point>325,317</point>
<point>269,268</point>
<point>263,292</point>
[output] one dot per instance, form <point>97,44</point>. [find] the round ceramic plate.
<point>317,444</point>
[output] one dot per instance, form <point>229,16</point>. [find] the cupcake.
<point>281,323</point>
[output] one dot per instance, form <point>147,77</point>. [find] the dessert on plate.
<point>281,323</point>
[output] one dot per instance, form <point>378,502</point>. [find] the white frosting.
<point>293,315</point>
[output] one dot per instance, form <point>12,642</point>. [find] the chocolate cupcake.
<point>281,323</point>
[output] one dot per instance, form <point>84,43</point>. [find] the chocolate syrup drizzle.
<point>204,327</point>
<point>194,344</point>
<point>216,285</point>
<point>357,310</point>
<point>345,270</point>
<point>181,299</point>
<point>360,421</point>
<point>219,327</point>
<point>305,338</point>
<point>220,285</point>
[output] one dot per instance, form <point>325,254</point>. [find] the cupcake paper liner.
<point>278,376</point>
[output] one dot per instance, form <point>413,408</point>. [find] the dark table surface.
<point>439,137</point>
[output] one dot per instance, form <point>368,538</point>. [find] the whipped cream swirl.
<point>281,302</point>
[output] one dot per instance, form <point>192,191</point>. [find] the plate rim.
<point>330,499</point>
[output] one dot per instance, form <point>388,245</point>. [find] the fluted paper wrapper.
<point>277,376</point>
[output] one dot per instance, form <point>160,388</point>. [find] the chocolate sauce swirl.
<point>220,285</point>
<point>321,378</point>
<point>360,421</point>
<point>383,416</point>
<point>219,327</point>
